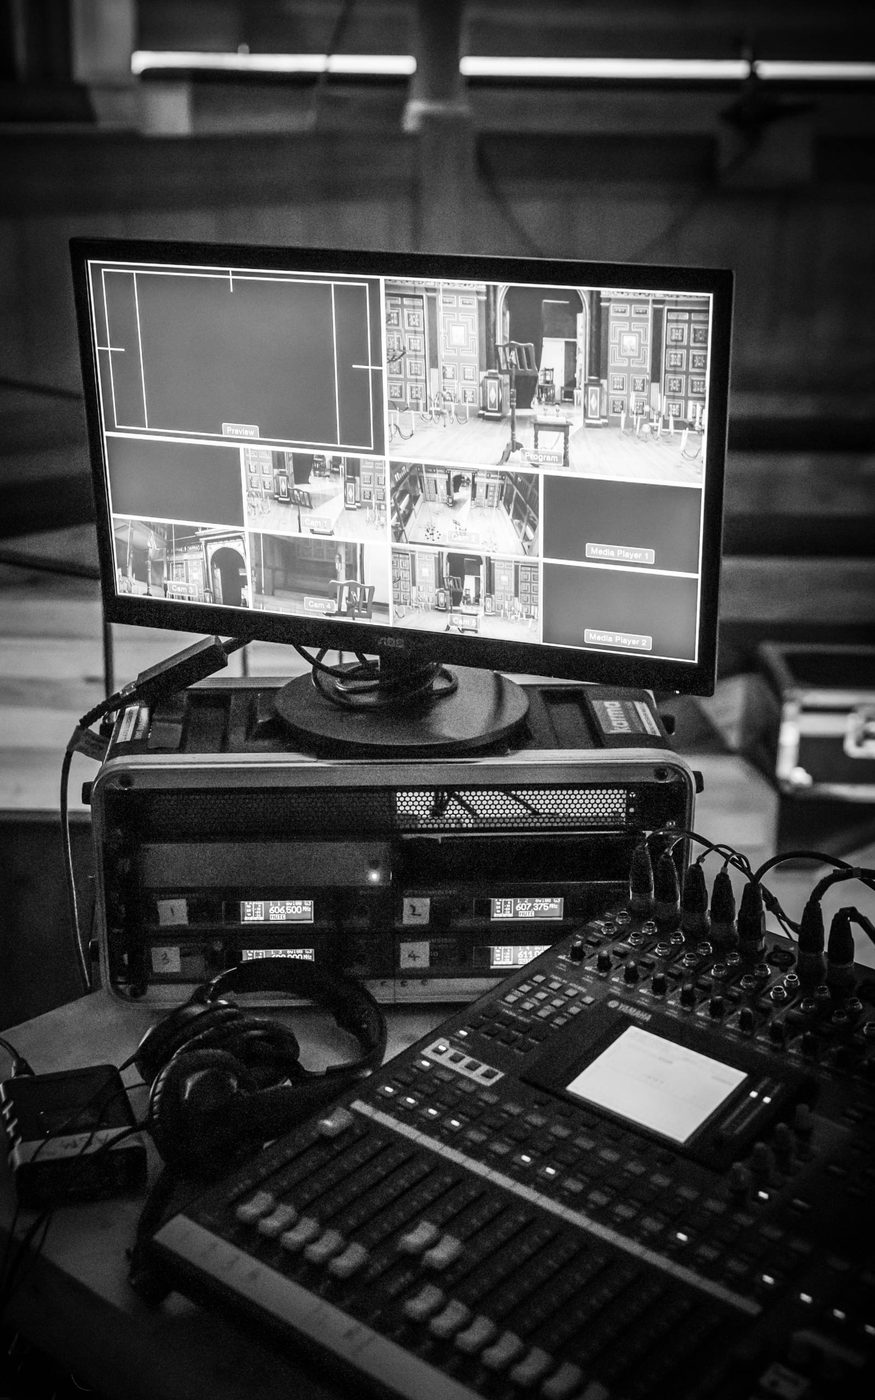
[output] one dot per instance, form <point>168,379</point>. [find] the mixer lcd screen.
<point>513,467</point>
<point>656,1083</point>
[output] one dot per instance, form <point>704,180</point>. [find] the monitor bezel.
<point>537,658</point>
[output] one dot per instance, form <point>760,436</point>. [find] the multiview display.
<point>502,460</point>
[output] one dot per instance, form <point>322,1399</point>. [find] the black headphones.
<point>223,1080</point>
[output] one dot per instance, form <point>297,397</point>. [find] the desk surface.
<point>75,1300</point>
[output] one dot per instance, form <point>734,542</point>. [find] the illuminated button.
<point>323,1249</point>
<point>306,1230</point>
<point>451,1320</point>
<point>257,1206</point>
<point>532,1367</point>
<point>502,1352</point>
<point>563,1382</point>
<point>476,1335</point>
<point>418,1239</point>
<point>444,1253</point>
<point>426,1302</point>
<point>336,1123</point>
<point>278,1220</point>
<point>349,1262</point>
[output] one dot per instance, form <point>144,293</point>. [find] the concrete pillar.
<point>71,59</point>
<point>438,113</point>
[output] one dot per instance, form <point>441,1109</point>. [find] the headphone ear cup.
<point>189,1022</point>
<point>191,1110</point>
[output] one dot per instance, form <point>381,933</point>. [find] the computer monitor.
<point>459,466</point>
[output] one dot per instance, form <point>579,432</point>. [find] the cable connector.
<point>86,742</point>
<point>175,673</point>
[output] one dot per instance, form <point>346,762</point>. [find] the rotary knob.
<point>762,1160</point>
<point>659,986</point>
<point>716,1007</point>
<point>746,1020</point>
<point>577,950</point>
<point>740,1179</point>
<point>688,994</point>
<point>630,971</point>
<point>603,960</point>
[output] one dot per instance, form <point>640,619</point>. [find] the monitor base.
<point>482,710</point>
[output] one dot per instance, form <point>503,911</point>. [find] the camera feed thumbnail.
<point>492,510</point>
<point>320,578</point>
<point>465,592</point>
<point>190,563</point>
<point>584,381</point>
<point>315,493</point>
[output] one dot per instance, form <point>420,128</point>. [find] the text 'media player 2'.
<point>500,463</point>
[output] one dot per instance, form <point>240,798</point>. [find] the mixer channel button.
<point>271,1226</point>
<point>306,1230</point>
<point>476,1335</point>
<point>261,1203</point>
<point>502,1352</point>
<point>563,1383</point>
<point>534,1365</point>
<point>323,1249</point>
<point>420,1238</point>
<point>345,1264</point>
<point>427,1301</point>
<point>451,1320</point>
<point>444,1253</point>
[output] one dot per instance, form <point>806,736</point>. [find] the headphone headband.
<point>350,1003</point>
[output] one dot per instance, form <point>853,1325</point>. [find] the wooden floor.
<point>593,451</point>
<point>51,672</point>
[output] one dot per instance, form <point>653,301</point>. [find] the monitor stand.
<point>395,710</point>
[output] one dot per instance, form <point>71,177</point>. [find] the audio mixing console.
<point>641,1167</point>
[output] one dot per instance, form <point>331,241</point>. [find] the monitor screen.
<point>502,463</point>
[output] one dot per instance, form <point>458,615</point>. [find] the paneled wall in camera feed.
<point>655,357</point>
<point>483,460</point>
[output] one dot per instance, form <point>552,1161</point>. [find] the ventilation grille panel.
<point>509,809</point>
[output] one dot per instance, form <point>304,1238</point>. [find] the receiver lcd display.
<point>525,908</point>
<point>276,911</point>
<point>515,955</point>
